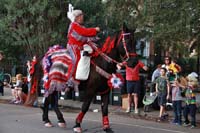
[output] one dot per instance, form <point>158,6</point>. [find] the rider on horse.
<point>77,36</point>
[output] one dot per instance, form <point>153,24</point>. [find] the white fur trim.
<point>83,68</point>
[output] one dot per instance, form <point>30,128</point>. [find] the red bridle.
<point>122,37</point>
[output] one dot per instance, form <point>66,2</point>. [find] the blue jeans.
<point>190,109</point>
<point>177,107</point>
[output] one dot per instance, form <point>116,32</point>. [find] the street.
<point>20,119</point>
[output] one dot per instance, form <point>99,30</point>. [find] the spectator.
<point>177,101</point>
<point>28,63</point>
<point>174,69</point>
<point>167,62</point>
<point>163,91</point>
<point>35,72</point>
<point>1,55</point>
<point>190,94</point>
<point>156,73</point>
<point>18,90</point>
<point>133,65</point>
<point>1,87</point>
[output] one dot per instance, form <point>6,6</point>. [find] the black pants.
<point>2,90</point>
<point>190,109</point>
<point>53,100</point>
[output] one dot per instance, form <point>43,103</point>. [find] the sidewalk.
<point>152,115</point>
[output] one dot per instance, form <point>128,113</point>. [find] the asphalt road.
<point>20,119</point>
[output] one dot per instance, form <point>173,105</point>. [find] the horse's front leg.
<point>84,109</point>
<point>104,108</point>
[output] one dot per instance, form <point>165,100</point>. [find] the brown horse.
<point>119,48</point>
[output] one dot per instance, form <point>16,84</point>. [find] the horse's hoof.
<point>106,127</point>
<point>48,124</point>
<point>77,130</point>
<point>62,124</point>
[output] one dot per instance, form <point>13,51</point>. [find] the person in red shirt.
<point>133,66</point>
<point>78,35</point>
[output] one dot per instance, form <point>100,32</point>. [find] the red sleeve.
<point>84,31</point>
<point>141,64</point>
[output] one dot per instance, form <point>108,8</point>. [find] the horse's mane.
<point>109,43</point>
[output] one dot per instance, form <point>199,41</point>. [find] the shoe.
<point>193,126</point>
<point>186,124</point>
<point>48,124</point>
<point>17,102</point>
<point>160,119</point>
<point>12,101</point>
<point>174,122</point>
<point>128,110</point>
<point>136,111</point>
<point>165,115</point>
<point>62,124</point>
<point>179,124</point>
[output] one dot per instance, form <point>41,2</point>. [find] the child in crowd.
<point>174,70</point>
<point>177,101</point>
<point>190,107</point>
<point>17,91</point>
<point>162,89</point>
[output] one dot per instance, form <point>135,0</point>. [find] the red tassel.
<point>80,117</point>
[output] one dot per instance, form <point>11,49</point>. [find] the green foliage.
<point>30,26</point>
<point>33,25</point>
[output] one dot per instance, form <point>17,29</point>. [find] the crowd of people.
<point>23,86</point>
<point>168,85</point>
<point>171,86</point>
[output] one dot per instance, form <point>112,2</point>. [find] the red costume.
<point>77,37</point>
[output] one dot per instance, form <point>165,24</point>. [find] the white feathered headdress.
<point>72,14</point>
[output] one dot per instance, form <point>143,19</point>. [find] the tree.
<point>33,24</point>
<point>175,23</point>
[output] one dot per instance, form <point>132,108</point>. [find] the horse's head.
<point>121,46</point>
<point>126,43</point>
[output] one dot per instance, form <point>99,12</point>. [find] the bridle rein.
<point>109,59</point>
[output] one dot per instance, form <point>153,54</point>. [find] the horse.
<point>117,48</point>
